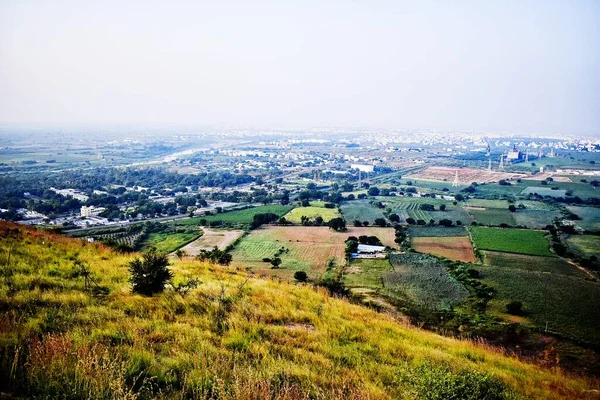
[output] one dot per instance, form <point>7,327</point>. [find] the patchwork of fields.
<point>590,217</point>
<point>304,248</point>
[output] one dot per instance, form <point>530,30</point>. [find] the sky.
<point>509,66</point>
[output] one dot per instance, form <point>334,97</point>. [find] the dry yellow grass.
<point>457,248</point>
<point>233,337</point>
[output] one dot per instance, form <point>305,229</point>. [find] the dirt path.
<point>210,239</point>
<point>580,267</point>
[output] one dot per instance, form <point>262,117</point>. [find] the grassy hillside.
<point>233,337</point>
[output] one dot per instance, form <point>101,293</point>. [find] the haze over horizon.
<point>516,67</point>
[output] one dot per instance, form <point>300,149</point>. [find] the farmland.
<point>366,273</point>
<point>295,215</point>
<point>587,245</point>
<point>493,216</point>
<point>553,265</point>
<point>590,217</point>
<point>511,240</point>
<point>535,219</point>
<point>465,175</point>
<point>167,242</point>
<point>454,248</point>
<point>210,238</point>
<point>239,218</point>
<point>305,248</point>
<point>567,303</point>
<point>360,210</point>
<point>437,231</point>
<point>421,279</point>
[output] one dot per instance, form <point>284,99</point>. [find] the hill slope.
<point>234,336</point>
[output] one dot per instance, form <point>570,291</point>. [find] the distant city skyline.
<point>515,67</point>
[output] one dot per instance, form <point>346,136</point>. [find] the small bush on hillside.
<point>300,276</point>
<point>150,273</point>
<point>514,308</point>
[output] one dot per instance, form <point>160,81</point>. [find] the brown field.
<point>457,248</point>
<point>465,175</point>
<point>210,239</point>
<point>307,248</point>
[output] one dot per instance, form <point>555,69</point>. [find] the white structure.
<point>91,211</point>
<point>362,168</point>
<point>369,249</point>
<point>456,182</point>
<point>501,167</point>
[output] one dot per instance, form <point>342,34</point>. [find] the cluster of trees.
<point>215,256</point>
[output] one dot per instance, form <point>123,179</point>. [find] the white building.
<point>91,211</point>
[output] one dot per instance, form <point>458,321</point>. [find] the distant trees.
<point>514,308</point>
<point>442,207</point>
<point>150,273</point>
<point>264,218</point>
<point>512,208</point>
<point>427,207</point>
<point>337,224</point>
<point>373,191</point>
<point>380,222</point>
<point>394,217</point>
<point>215,256</point>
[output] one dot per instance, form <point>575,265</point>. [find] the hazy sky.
<point>518,66</point>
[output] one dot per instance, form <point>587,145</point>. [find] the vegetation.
<point>423,280</point>
<point>312,213</point>
<point>232,336</point>
<point>511,240</point>
<point>494,217</point>
<point>150,273</point>
<point>237,218</point>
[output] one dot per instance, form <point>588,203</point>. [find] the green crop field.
<point>553,265</point>
<point>590,217</point>
<point>544,191</point>
<point>360,210</point>
<point>587,245</point>
<point>569,304</point>
<point>522,241</point>
<point>295,215</point>
<point>238,217</point>
<point>535,219</point>
<point>367,273</point>
<point>423,280</point>
<point>436,231</point>
<point>167,242</point>
<point>485,203</point>
<point>493,216</point>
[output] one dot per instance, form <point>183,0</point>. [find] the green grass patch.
<point>167,242</point>
<point>493,216</point>
<point>436,231</point>
<point>367,273</point>
<point>553,265</point>
<point>590,217</point>
<point>587,245</point>
<point>569,304</point>
<point>423,280</point>
<point>295,215</point>
<point>535,219</point>
<point>511,240</point>
<point>361,210</point>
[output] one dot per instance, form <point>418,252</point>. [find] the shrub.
<point>514,308</point>
<point>300,276</point>
<point>150,273</point>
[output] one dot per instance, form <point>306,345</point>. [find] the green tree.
<point>337,224</point>
<point>150,273</point>
<point>300,276</point>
